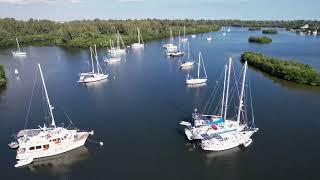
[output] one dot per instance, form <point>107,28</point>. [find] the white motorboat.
<point>184,38</point>
<point>47,141</point>
<point>93,76</point>
<point>198,80</point>
<point>232,139</point>
<point>188,62</point>
<point>18,52</point>
<point>138,44</point>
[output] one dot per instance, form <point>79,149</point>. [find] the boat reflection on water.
<point>61,163</point>
<point>212,157</point>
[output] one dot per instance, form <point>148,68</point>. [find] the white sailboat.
<point>93,76</point>
<point>224,31</point>
<point>170,46</point>
<point>209,38</point>
<point>315,32</point>
<point>138,44</point>
<point>177,52</point>
<point>231,139</point>
<point>114,51</point>
<point>184,38</point>
<point>18,52</point>
<point>46,141</point>
<point>213,124</point>
<point>189,62</point>
<point>198,80</point>
<point>193,36</point>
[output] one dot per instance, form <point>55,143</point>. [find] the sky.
<point>66,10</point>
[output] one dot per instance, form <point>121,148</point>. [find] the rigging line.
<point>251,104</point>
<point>30,102</point>
<point>213,94</point>
<point>71,122</point>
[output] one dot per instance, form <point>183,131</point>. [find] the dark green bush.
<point>260,39</point>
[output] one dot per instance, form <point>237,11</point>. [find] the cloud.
<point>23,2</point>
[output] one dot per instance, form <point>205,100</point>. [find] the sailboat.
<point>198,80</point>
<point>118,50</point>
<point>93,76</point>
<point>315,32</point>
<point>184,38</point>
<point>187,63</point>
<point>224,31</point>
<point>138,44</point>
<point>177,52</point>
<point>170,46</point>
<point>229,29</point>
<point>241,136</point>
<point>213,124</point>
<point>46,141</point>
<point>209,38</point>
<point>18,52</point>
<point>193,36</point>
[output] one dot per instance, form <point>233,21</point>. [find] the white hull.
<point>232,140</point>
<point>112,60</point>
<point>117,51</point>
<point>195,81</point>
<point>137,45</point>
<point>209,38</point>
<point>187,64</point>
<point>172,48</point>
<point>184,39</point>
<point>18,53</point>
<point>88,78</point>
<point>175,54</point>
<point>193,36</point>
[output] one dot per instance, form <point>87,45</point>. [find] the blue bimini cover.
<point>218,121</point>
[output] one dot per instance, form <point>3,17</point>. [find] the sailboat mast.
<point>91,59</point>
<point>118,39</point>
<point>18,44</point>
<point>171,36</point>
<point>179,42</point>
<point>227,93</point>
<point>204,68</point>
<point>242,92</point>
<point>188,51</point>
<point>199,64</point>
<point>96,57</point>
<point>138,35</point>
<point>184,31</point>
<point>47,97</point>
<point>224,89</point>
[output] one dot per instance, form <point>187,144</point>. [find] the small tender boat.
<point>23,162</point>
<point>18,52</point>
<point>13,145</point>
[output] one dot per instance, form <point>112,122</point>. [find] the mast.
<point>171,36</point>
<point>96,57</point>
<point>138,35</point>
<point>91,59</point>
<point>188,51</point>
<point>184,31</point>
<point>179,42</point>
<point>47,97</point>
<point>199,64</point>
<point>227,93</point>
<point>118,39</point>
<point>204,68</point>
<point>18,44</point>
<point>242,91</point>
<point>224,89</point>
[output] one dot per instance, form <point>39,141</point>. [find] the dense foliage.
<point>287,70</point>
<point>269,31</point>
<point>254,29</point>
<point>3,80</point>
<point>260,39</point>
<point>87,32</point>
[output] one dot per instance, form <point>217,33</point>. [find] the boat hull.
<point>195,81</point>
<point>15,53</point>
<point>137,45</point>
<point>93,79</point>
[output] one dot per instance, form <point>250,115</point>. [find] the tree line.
<point>83,33</point>
<point>3,80</point>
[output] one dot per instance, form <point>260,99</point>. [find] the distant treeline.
<point>260,39</point>
<point>3,80</point>
<point>287,70</point>
<point>269,31</point>
<point>254,29</point>
<point>87,32</point>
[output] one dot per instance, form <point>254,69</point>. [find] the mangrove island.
<point>287,70</point>
<point>3,79</point>
<point>260,39</point>
<point>269,31</point>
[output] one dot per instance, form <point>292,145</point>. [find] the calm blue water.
<point>136,113</point>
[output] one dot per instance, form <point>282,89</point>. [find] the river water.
<point>136,113</point>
